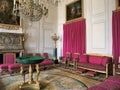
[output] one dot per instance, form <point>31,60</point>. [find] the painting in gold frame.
<point>74,11</point>
<point>117,4</point>
<point>7,19</point>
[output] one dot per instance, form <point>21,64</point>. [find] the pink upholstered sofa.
<point>9,64</point>
<point>112,83</point>
<point>47,63</point>
<point>95,62</point>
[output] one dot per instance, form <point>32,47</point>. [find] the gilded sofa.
<point>96,63</point>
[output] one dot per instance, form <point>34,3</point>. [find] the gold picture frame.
<point>74,11</point>
<point>7,19</point>
<point>117,4</point>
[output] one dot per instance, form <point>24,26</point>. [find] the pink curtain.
<point>116,36</point>
<point>79,37</point>
<point>68,36</point>
<point>74,37</point>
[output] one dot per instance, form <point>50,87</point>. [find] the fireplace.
<point>11,43</point>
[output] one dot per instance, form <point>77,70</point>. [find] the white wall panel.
<point>99,25</point>
<point>98,6</point>
<point>98,34</point>
<point>39,33</point>
<point>48,43</point>
<point>31,49</point>
<point>31,37</point>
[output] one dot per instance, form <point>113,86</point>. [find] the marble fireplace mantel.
<point>11,42</point>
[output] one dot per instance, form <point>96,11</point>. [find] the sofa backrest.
<point>9,58</point>
<point>45,55</point>
<point>95,59</point>
<point>83,59</point>
<point>98,59</point>
<point>75,55</point>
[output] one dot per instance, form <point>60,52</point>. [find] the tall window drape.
<point>74,37</point>
<point>116,36</point>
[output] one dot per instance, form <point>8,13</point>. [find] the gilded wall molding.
<point>10,27</point>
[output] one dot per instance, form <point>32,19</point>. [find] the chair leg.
<point>106,75</point>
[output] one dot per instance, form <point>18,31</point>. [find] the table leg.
<point>30,74</point>
<point>23,75</point>
<point>37,72</point>
<point>37,75</point>
<point>30,82</point>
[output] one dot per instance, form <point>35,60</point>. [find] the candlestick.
<point>14,2</point>
<point>55,38</point>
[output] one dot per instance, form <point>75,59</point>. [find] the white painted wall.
<point>98,15</point>
<point>38,34</point>
<point>99,25</point>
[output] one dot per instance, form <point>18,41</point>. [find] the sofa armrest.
<point>107,65</point>
<point>113,69</point>
<point>116,70</point>
<point>109,69</point>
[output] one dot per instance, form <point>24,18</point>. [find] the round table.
<point>30,60</point>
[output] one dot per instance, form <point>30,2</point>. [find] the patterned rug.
<point>53,79</point>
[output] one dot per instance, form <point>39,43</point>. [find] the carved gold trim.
<point>11,27</point>
<point>75,19</point>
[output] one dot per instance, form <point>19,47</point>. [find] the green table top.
<point>30,59</point>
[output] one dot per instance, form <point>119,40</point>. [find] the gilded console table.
<point>30,60</point>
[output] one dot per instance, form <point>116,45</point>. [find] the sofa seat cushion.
<point>114,79</point>
<point>42,63</point>
<point>46,62</point>
<point>95,60</point>
<point>14,66</point>
<point>4,66</point>
<point>83,59</point>
<point>92,66</point>
<point>49,62</point>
